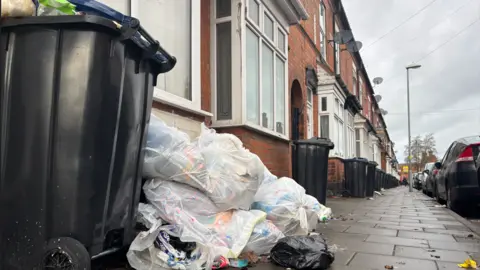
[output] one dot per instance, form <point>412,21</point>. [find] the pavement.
<point>401,229</point>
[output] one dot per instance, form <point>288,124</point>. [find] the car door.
<point>441,175</point>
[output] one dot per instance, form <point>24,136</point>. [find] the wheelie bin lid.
<point>162,61</point>
<point>317,141</point>
<point>373,163</point>
<point>356,159</point>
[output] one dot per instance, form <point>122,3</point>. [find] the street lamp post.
<point>410,182</point>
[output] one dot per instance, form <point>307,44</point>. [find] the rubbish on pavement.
<point>468,264</point>
<point>264,236</point>
<point>440,206</point>
<point>302,252</point>
<point>378,193</point>
<point>470,236</point>
<point>286,206</point>
<point>17,8</point>
<point>221,233</point>
<point>220,263</point>
<point>216,164</point>
<point>238,263</point>
<point>388,266</point>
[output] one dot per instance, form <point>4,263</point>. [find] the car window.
<point>444,159</point>
<point>456,151</point>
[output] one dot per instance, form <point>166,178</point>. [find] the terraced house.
<point>267,71</point>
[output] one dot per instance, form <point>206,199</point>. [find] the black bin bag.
<point>302,252</point>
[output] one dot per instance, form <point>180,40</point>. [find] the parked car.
<point>417,181</point>
<point>429,173</point>
<point>457,183</point>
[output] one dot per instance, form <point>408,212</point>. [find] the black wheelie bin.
<point>75,101</point>
<point>355,176</point>
<point>370,186</point>
<point>310,166</point>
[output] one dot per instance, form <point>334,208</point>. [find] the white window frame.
<point>337,53</point>
<point>160,95</point>
<point>355,78</point>
<point>351,144</point>
<point>359,141</point>
<point>263,39</point>
<point>309,113</point>
<point>360,91</point>
<point>339,128</point>
<point>324,113</point>
<point>322,25</point>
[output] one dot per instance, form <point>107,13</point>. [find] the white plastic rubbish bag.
<point>324,213</point>
<point>286,206</point>
<point>170,155</point>
<point>235,173</point>
<point>221,233</point>
<point>264,236</point>
<point>17,8</point>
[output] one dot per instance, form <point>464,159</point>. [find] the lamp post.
<point>410,181</point>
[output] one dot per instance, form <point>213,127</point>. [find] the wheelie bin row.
<point>75,106</point>
<point>362,178</point>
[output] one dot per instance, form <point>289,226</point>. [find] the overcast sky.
<point>445,92</point>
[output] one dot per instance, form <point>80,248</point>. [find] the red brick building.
<point>267,71</point>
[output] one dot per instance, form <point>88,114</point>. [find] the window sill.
<point>178,102</point>
<point>267,132</point>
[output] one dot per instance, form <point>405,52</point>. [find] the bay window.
<point>176,24</point>
<point>265,69</point>
<point>309,113</point>
<point>358,143</point>
<point>338,128</point>
<point>350,136</point>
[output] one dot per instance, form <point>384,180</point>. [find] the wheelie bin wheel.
<point>65,253</point>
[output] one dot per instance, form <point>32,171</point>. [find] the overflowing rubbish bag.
<point>216,164</point>
<point>220,233</point>
<point>264,236</point>
<point>302,252</point>
<point>287,206</point>
<point>211,201</point>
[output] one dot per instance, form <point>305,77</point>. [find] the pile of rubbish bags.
<point>210,200</point>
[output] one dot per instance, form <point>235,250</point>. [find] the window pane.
<point>324,125</point>
<point>268,26</point>
<point>252,77</point>
<point>267,87</point>
<point>280,96</point>
<point>281,41</point>
<point>223,8</point>
<point>224,71</point>
<point>309,95</point>
<point>310,122</point>
<point>358,149</point>
<point>253,10</point>
<point>324,104</point>
<point>170,22</point>
<point>322,16</point>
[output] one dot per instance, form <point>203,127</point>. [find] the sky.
<point>444,38</point>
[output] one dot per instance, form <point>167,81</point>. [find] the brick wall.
<point>336,174</point>
<point>274,153</point>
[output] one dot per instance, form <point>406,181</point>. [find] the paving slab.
<point>419,217</point>
<point>398,227</point>
<point>332,237</point>
<point>467,247</point>
<point>441,222</point>
<point>448,265</point>
<point>452,232</point>
<point>378,262</point>
<point>400,220</point>
<point>397,241</point>
<point>371,231</point>
<point>365,247</point>
<point>378,222</point>
<point>431,254</point>
<point>423,225</point>
<point>426,236</point>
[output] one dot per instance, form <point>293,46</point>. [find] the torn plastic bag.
<point>324,213</point>
<point>17,8</point>
<point>170,155</point>
<point>223,233</point>
<point>235,173</point>
<point>302,252</point>
<point>286,206</point>
<point>264,236</point>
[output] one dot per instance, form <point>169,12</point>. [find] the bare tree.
<point>422,150</point>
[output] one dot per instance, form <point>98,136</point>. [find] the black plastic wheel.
<point>65,253</point>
